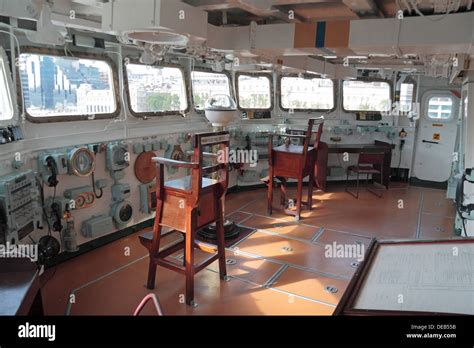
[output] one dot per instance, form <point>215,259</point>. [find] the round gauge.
<point>89,198</point>
<point>82,161</point>
<point>80,201</point>
<point>144,167</point>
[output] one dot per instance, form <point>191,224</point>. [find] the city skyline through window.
<point>156,88</point>
<point>307,94</point>
<point>66,86</point>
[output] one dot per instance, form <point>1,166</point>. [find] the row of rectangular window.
<point>55,86</point>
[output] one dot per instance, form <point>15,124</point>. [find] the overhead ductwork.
<point>312,65</point>
<point>413,35</point>
<point>161,22</point>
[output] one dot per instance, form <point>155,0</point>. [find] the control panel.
<point>20,208</point>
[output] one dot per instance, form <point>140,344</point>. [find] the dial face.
<point>83,162</point>
<point>90,198</point>
<point>80,201</point>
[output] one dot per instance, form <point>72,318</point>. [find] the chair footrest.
<point>170,265</point>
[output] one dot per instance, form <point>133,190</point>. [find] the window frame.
<point>207,70</point>
<point>307,76</point>
<point>409,80</point>
<point>440,94</point>
<point>254,74</point>
<point>10,88</point>
<point>69,118</point>
<point>369,112</point>
<point>142,115</point>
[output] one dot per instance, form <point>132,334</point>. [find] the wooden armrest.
<point>175,163</point>
<point>204,154</point>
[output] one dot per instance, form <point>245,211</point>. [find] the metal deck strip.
<point>243,239</point>
<point>420,212</point>
<point>262,230</point>
<point>237,251</point>
<point>73,292</point>
<point>275,276</point>
<point>278,290</point>
<point>286,221</point>
<point>317,235</point>
<point>305,241</point>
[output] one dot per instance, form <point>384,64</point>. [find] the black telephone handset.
<point>53,167</point>
<point>57,225</point>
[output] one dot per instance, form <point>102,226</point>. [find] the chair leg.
<point>357,194</point>
<point>150,284</point>
<point>220,239</point>
<point>298,198</point>
<point>347,180</point>
<point>270,192</point>
<point>283,192</point>
<point>155,246</point>
<point>189,252</point>
<point>310,190</point>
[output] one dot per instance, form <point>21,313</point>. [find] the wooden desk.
<point>325,149</point>
<point>20,290</point>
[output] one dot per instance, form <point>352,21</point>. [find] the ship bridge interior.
<point>236,157</point>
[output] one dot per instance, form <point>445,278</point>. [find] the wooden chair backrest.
<point>309,131</point>
<point>371,156</point>
<point>220,142</point>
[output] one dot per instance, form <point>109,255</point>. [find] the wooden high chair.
<point>293,161</point>
<point>187,205</point>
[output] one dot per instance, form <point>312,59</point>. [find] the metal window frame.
<point>254,74</point>
<point>207,70</point>
<point>77,55</point>
<point>366,80</point>
<point>307,76</point>
<point>9,88</point>
<point>186,80</point>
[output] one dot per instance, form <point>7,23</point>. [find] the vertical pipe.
<point>13,58</point>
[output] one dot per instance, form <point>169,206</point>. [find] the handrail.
<point>142,304</point>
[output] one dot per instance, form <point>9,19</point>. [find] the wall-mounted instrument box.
<point>83,197</point>
<point>51,164</point>
<point>97,226</point>
<point>120,192</point>
<point>20,209</point>
<point>117,159</point>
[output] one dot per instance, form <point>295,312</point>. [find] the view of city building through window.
<point>254,92</point>
<point>6,107</point>
<point>440,107</point>
<point>304,93</point>
<point>206,84</point>
<point>366,96</point>
<point>156,88</point>
<point>406,96</point>
<point>59,86</point>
